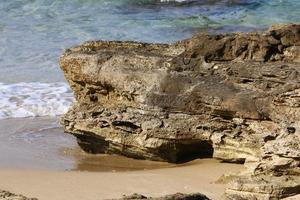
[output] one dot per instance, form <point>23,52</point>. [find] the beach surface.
<point>38,160</point>
<point>59,185</point>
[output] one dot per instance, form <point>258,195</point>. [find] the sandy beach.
<point>60,185</point>
<point>49,165</point>
<point>147,98</point>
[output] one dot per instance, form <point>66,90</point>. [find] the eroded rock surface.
<point>5,195</point>
<point>235,97</point>
<point>177,196</point>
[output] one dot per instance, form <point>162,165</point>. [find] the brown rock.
<point>177,196</point>
<point>232,96</point>
<point>5,195</point>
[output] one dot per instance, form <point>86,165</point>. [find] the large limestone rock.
<point>235,97</point>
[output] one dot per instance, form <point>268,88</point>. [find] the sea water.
<point>33,34</point>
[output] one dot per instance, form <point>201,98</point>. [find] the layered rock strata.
<point>235,97</point>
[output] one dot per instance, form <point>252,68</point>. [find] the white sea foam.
<point>34,99</point>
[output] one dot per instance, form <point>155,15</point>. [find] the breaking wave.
<point>34,99</point>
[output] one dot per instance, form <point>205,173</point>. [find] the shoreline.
<point>58,185</point>
<point>41,144</point>
<point>47,164</point>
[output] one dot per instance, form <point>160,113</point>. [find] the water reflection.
<point>113,163</point>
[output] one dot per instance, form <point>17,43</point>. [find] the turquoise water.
<point>33,33</point>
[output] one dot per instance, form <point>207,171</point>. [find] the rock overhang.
<point>231,96</point>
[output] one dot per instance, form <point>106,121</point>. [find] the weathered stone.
<point>5,195</point>
<point>177,196</point>
<point>235,97</point>
<point>262,188</point>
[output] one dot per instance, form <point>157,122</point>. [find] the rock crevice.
<point>234,97</point>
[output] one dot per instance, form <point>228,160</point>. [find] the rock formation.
<point>5,195</point>
<point>235,97</point>
<point>177,196</point>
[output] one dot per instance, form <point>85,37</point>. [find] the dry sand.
<point>38,160</point>
<point>58,185</point>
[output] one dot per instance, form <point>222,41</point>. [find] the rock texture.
<point>235,97</point>
<point>177,196</point>
<point>4,195</point>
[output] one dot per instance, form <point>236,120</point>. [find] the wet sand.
<point>38,160</point>
<point>40,143</point>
